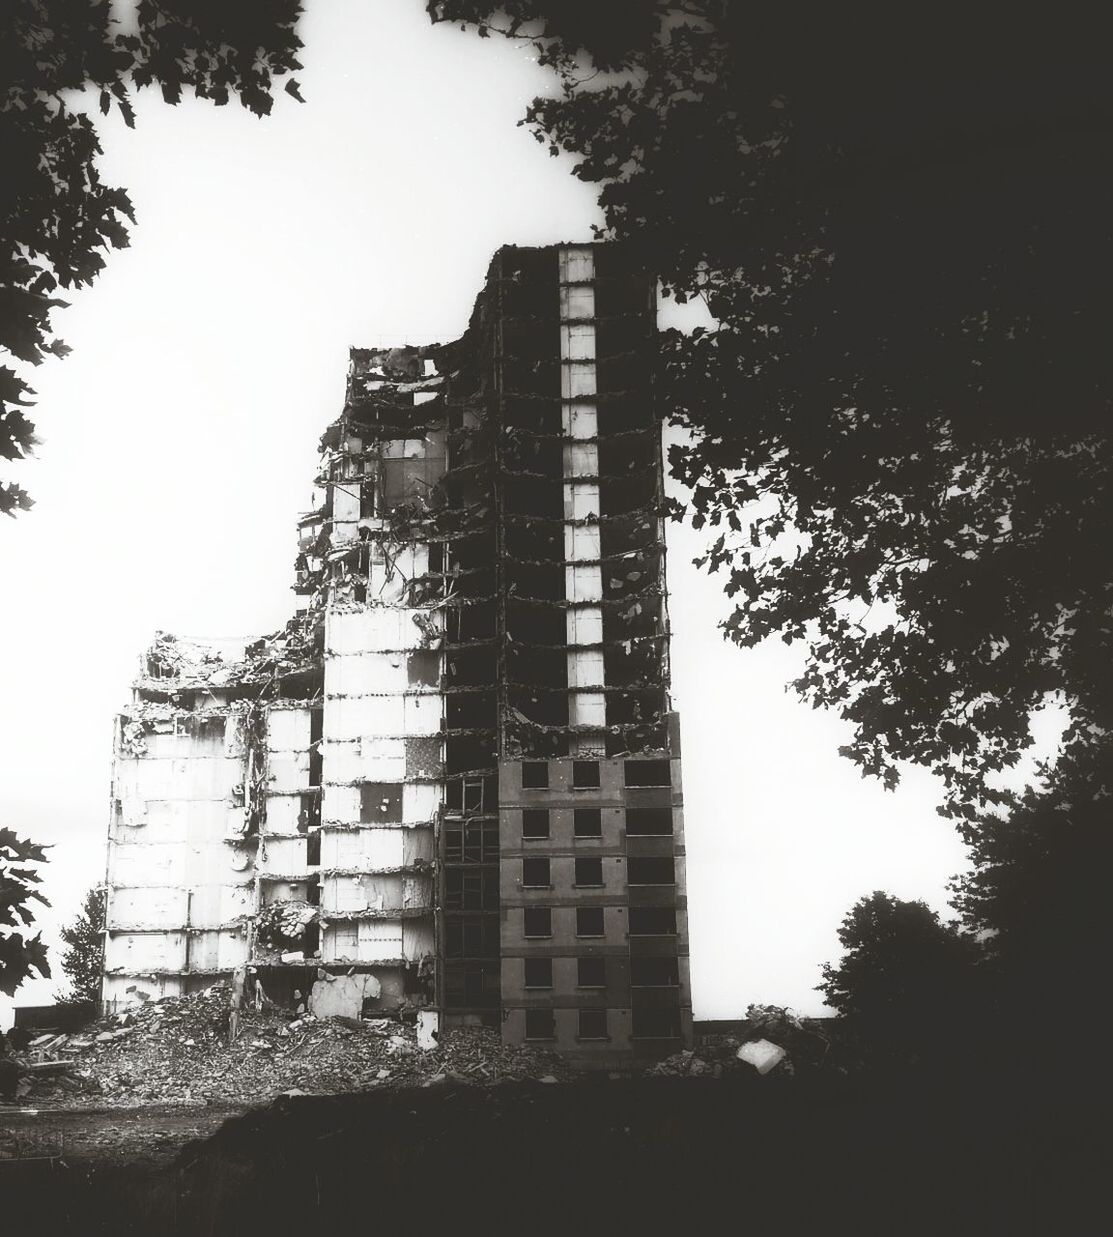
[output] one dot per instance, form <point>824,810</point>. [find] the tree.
<point>56,214</point>
<point>904,988</point>
<point>900,423</point>
<point>1036,892</point>
<point>20,953</point>
<point>83,959</point>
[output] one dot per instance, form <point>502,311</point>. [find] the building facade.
<point>453,781</point>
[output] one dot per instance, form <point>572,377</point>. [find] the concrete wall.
<point>179,884</point>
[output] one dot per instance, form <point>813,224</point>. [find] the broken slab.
<point>428,1029</point>
<point>335,995</point>
<point>762,1054</point>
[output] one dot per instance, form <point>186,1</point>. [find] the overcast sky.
<point>179,442</point>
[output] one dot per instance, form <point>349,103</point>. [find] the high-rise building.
<point>453,781</point>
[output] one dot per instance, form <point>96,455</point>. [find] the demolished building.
<point>453,781</point>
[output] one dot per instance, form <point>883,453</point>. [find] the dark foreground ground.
<point>744,1155</point>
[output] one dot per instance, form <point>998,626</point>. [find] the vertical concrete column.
<point>582,569</point>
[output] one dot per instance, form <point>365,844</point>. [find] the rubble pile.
<point>686,1064</point>
<point>176,1050</point>
<point>770,1038</point>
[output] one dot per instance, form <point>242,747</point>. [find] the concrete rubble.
<point>176,1051</point>
<point>769,1040</point>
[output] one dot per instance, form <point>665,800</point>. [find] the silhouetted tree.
<point>20,953</point>
<point>900,424</point>
<point>1037,893</point>
<point>83,957</point>
<point>904,988</point>
<point>56,215</point>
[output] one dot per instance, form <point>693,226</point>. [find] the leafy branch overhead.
<point>20,953</point>
<point>899,422</point>
<point>57,217</point>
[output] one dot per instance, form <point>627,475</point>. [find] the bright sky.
<point>179,440</point>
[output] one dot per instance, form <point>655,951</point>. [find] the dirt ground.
<point>648,1155</point>
<point>151,1135</point>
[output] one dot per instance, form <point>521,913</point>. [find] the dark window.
<point>539,972</point>
<point>472,841</point>
<point>316,730</point>
<point>589,871</point>
<point>474,984</point>
<point>593,1024</point>
<point>591,972</point>
<point>648,772</point>
<point>309,811</point>
<point>474,937</point>
<point>641,821</point>
<point>367,497</point>
<point>473,794</point>
<point>535,823</point>
<point>652,921</point>
<point>646,972</point>
<point>313,847</point>
<point>587,822</point>
<point>540,1024</point>
<point>313,894</point>
<point>650,870</point>
<point>585,774</point>
<point>380,803</point>
<point>535,775</point>
<point>654,1023</point>
<point>535,873</point>
<point>538,921</point>
<point>471,889</point>
<point>589,921</point>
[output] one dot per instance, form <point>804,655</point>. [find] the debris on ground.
<point>176,1051</point>
<point>770,1038</point>
<point>686,1065</point>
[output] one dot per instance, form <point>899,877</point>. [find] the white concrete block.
<point>354,717</point>
<point>146,950</point>
<point>383,847</point>
<point>583,583</point>
<point>380,940</point>
<point>581,459</point>
<point>283,812</point>
<point>420,801</point>
<point>585,626</point>
<point>421,715</point>
<point>341,804</point>
<point>577,302</point>
<point>288,730</point>
<point>148,864</point>
<point>577,379</point>
<point>581,420</point>
<point>284,855</point>
<point>287,772</point>
<point>587,709</point>
<point>581,541</point>
<point>365,674</point>
<point>576,262</point>
<point>585,668</point>
<point>148,908</point>
<point>577,341</point>
<point>369,759</point>
<point>581,501</point>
